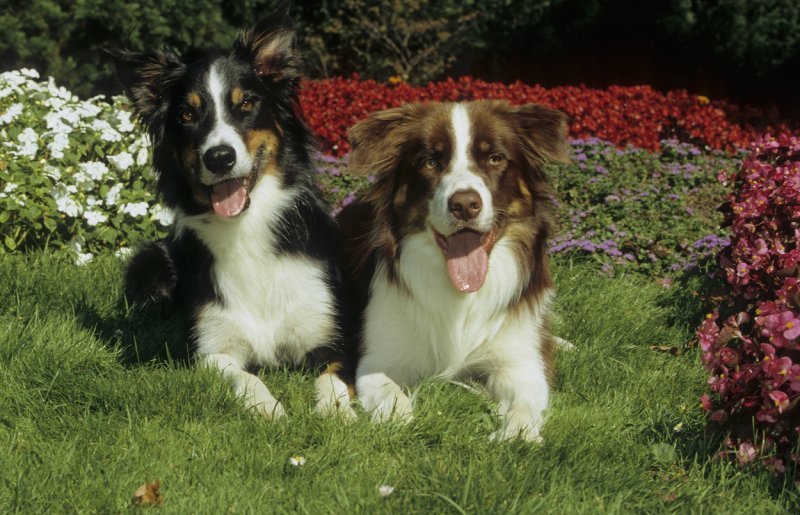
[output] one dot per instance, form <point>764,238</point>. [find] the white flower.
<point>28,143</point>
<point>83,258</point>
<point>77,243</point>
<point>89,110</point>
<point>11,186</point>
<point>385,490</point>
<point>55,121</point>
<point>94,217</point>
<point>164,215</point>
<point>83,180</point>
<point>123,252</point>
<point>107,133</point>
<point>58,145</point>
<point>11,113</point>
<point>52,172</point>
<point>123,160</point>
<point>141,156</point>
<point>92,201</point>
<point>124,119</point>
<point>29,72</point>
<point>112,197</point>
<point>64,202</point>
<point>297,461</point>
<point>135,209</point>
<point>94,169</point>
<point>4,92</point>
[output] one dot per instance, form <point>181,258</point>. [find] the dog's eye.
<point>495,159</point>
<point>186,116</point>
<point>247,105</point>
<point>430,164</point>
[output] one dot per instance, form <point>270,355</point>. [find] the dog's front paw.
<point>335,408</point>
<point>510,433</point>
<point>395,407</point>
<point>333,398</point>
<point>269,409</point>
<point>389,403</point>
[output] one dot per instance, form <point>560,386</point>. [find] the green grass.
<point>91,406</point>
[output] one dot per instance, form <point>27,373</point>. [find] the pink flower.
<point>746,454</point>
<point>780,399</point>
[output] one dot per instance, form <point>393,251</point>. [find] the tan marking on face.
<point>194,100</point>
<point>523,189</point>
<point>268,141</point>
<point>237,96</point>
<point>484,146</point>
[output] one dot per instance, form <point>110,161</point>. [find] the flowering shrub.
<point>636,115</point>
<point>750,341</point>
<point>73,174</point>
<point>632,209</point>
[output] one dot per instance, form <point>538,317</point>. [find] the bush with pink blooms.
<point>750,340</point>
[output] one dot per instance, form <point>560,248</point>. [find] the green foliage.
<point>416,40</point>
<point>82,425</point>
<point>761,35</point>
<point>66,38</point>
<point>74,174</point>
<point>637,210</point>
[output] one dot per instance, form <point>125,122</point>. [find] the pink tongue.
<point>467,261</point>
<point>229,198</point>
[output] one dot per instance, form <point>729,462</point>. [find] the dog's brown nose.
<point>465,204</point>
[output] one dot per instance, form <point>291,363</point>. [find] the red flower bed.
<point>636,115</point>
<point>751,342</point>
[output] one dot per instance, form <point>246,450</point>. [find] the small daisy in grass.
<point>385,490</point>
<point>297,461</point>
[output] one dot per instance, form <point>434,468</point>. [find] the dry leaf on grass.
<point>148,494</point>
<point>675,351</point>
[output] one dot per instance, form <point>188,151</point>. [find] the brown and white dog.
<point>449,249</point>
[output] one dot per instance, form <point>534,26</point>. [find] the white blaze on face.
<point>466,252</point>
<point>222,132</point>
<point>460,176</point>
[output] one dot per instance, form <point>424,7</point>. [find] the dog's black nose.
<point>220,159</point>
<point>465,204</point>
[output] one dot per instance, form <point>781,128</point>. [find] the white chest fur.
<point>273,306</point>
<point>438,330</point>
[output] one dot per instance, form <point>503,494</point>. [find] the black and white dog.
<point>251,259</point>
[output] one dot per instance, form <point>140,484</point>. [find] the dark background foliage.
<point>744,50</point>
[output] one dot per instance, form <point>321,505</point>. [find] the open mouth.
<point>231,197</point>
<point>467,255</point>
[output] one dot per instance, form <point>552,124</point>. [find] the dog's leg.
<point>381,397</point>
<point>518,381</point>
<point>254,392</point>
<point>522,393</point>
<point>333,394</point>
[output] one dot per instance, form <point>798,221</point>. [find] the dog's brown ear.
<point>271,46</point>
<point>543,132</point>
<point>377,142</point>
<point>154,73</point>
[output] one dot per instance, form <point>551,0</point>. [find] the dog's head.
<point>218,123</point>
<point>467,173</point>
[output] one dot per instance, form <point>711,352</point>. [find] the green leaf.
<point>10,243</point>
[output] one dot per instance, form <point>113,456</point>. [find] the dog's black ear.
<point>270,45</point>
<point>153,75</point>
<point>543,132</point>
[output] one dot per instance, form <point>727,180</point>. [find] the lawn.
<point>96,399</point>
